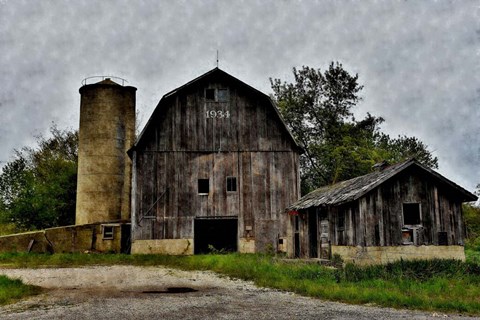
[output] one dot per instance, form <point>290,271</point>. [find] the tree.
<point>38,187</point>
<point>318,109</point>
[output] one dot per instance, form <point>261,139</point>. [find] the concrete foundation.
<point>382,255</point>
<point>70,239</point>
<point>164,246</point>
<point>246,245</point>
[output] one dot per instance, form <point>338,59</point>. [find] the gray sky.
<point>418,60</point>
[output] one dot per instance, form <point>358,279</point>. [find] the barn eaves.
<point>353,189</point>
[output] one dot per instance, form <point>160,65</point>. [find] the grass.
<point>437,285</point>
<point>14,289</point>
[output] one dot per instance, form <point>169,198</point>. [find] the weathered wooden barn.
<point>403,211</point>
<point>214,168</point>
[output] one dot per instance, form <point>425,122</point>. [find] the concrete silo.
<point>107,131</point>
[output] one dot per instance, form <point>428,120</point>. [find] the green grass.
<point>438,285</point>
<point>14,289</point>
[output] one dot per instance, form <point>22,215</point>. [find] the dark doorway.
<point>126,240</point>
<point>313,234</point>
<point>296,239</point>
<point>218,234</point>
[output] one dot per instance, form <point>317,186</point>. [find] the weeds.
<point>13,289</point>
<point>437,285</point>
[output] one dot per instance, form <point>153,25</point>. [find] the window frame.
<point>419,206</point>
<point>108,235</point>
<point>216,95</point>
<point>200,186</point>
<point>207,90</point>
<point>230,178</point>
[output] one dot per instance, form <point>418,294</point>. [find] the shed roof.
<point>212,73</point>
<point>355,188</point>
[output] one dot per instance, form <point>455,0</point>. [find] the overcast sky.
<point>418,60</point>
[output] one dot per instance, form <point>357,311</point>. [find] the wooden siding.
<point>184,145</point>
<point>381,213</point>
<point>376,219</point>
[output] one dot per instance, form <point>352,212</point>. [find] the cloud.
<point>417,60</point>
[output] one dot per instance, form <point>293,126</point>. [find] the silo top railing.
<point>86,80</point>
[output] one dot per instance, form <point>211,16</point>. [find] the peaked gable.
<point>212,75</point>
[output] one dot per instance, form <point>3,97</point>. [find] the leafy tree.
<point>318,109</point>
<point>472,223</point>
<point>38,187</point>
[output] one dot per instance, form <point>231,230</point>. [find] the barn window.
<point>232,184</point>
<point>411,213</point>
<point>222,95</point>
<point>218,95</point>
<point>108,232</point>
<point>210,94</point>
<point>203,186</point>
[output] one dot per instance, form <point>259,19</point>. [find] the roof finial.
<point>217,58</point>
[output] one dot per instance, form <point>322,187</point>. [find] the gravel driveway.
<point>129,292</point>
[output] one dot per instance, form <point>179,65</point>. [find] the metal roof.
<point>355,188</point>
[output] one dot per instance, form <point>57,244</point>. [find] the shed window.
<point>108,232</point>
<point>341,221</point>
<point>210,94</point>
<point>232,184</point>
<point>411,213</point>
<point>203,186</point>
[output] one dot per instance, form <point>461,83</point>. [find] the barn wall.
<point>376,221</point>
<point>381,212</point>
<point>186,144</point>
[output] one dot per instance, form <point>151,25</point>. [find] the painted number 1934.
<point>217,114</point>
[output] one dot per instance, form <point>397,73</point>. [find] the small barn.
<point>213,169</point>
<point>402,211</point>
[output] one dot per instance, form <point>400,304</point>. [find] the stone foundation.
<point>163,246</point>
<point>382,255</point>
<point>68,239</point>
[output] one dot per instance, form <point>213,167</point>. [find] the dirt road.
<point>128,292</point>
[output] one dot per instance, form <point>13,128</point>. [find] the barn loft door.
<point>215,233</point>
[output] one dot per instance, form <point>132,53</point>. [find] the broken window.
<point>222,95</point>
<point>108,232</point>
<point>411,213</point>
<point>203,186</point>
<point>407,236</point>
<point>217,95</point>
<point>232,184</point>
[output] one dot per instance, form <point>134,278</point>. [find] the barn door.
<point>324,240</point>
<point>313,233</point>
<point>218,234</point>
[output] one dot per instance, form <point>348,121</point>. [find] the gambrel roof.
<point>353,189</point>
<point>217,72</point>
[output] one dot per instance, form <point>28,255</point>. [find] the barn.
<point>213,169</point>
<point>402,211</point>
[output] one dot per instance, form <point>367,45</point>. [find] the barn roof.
<point>217,72</point>
<point>355,188</point>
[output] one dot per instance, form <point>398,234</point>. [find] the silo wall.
<point>107,131</point>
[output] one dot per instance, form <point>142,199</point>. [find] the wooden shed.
<point>403,211</point>
<point>214,169</point>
